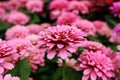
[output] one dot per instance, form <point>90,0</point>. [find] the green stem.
<point>64,70</point>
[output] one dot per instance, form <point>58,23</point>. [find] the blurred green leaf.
<point>22,70</point>
<point>111,20</point>
<point>58,74</point>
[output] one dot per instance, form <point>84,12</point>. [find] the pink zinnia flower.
<point>8,77</point>
<point>35,58</point>
<point>2,12</point>
<point>86,26</point>
<point>34,28</point>
<point>33,39</point>
<point>22,46</point>
<point>12,4</point>
<point>115,8</point>
<point>95,65</point>
<point>93,46</point>
<point>60,40</point>
<point>78,6</point>
<point>16,31</point>
<point>59,5</point>
<point>35,5</point>
<point>16,17</point>
<point>115,37</point>
<point>63,19</point>
<point>102,28</point>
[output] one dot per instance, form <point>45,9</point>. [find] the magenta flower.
<point>22,46</point>
<point>63,19</point>
<point>86,26</point>
<point>115,37</point>
<point>16,17</point>
<point>6,49</point>
<point>60,40</point>
<point>115,8</point>
<point>79,6</point>
<point>59,5</point>
<point>34,28</point>
<point>102,28</point>
<point>35,5</point>
<point>35,58</point>
<point>16,31</point>
<point>95,65</point>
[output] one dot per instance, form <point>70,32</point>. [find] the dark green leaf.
<point>22,70</point>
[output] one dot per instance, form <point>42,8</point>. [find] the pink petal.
<point>64,54</point>
<point>85,77</point>
<point>93,75</point>
<point>7,77</point>
<point>51,54</point>
<point>1,70</point>
<point>87,71</point>
<point>8,65</point>
<point>1,77</point>
<point>71,49</point>
<point>60,45</point>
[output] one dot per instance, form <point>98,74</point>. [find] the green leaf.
<point>35,18</point>
<point>58,74</point>
<point>22,70</point>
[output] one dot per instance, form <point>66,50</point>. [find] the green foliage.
<point>22,70</point>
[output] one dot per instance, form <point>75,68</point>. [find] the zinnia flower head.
<point>34,28</point>
<point>16,31</point>
<point>86,26</point>
<point>115,37</point>
<point>78,6</point>
<point>35,58</point>
<point>95,65</point>
<point>35,5</point>
<point>115,9</point>
<point>6,49</point>
<point>59,5</point>
<point>16,17</point>
<point>63,19</point>
<point>22,46</point>
<point>61,40</point>
<point>102,28</point>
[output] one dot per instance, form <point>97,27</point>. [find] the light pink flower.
<point>115,8</point>
<point>102,28</point>
<point>60,40</point>
<point>34,28</point>
<point>59,5</point>
<point>22,46</point>
<point>6,49</point>
<point>118,47</point>
<point>95,65</point>
<point>33,39</point>
<point>45,25</point>
<point>86,26</point>
<point>63,19</point>
<point>35,5</point>
<point>16,31</point>
<point>78,6</point>
<point>35,58</point>
<point>8,77</point>
<point>93,46</point>
<point>54,14</point>
<point>5,66</point>
<point>16,17</point>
